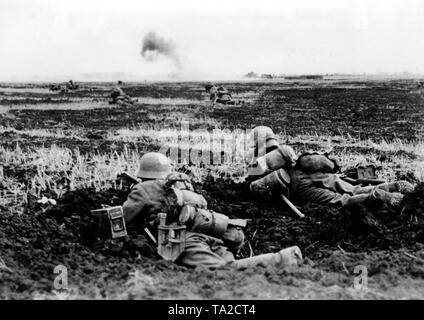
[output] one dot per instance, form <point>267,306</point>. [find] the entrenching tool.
<point>171,239</point>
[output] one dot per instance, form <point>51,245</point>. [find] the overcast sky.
<point>220,37</point>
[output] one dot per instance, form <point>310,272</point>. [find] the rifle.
<point>128,178</point>
<point>292,206</point>
<point>364,181</point>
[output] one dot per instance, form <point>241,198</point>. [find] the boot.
<point>286,257</point>
<point>393,199</point>
<point>398,186</point>
<point>348,201</point>
<point>404,187</point>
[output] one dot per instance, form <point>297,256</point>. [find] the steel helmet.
<point>154,165</point>
<point>208,86</point>
<point>263,140</point>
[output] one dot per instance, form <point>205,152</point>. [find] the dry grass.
<point>57,133</point>
<point>71,105</point>
<point>46,167</point>
<point>168,101</point>
<point>24,90</point>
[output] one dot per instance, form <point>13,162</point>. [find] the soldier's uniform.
<point>330,188</point>
<point>310,178</point>
<point>221,95</point>
<point>213,94</point>
<point>211,239</point>
<point>149,198</point>
<point>119,96</point>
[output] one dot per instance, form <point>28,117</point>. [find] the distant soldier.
<point>220,95</point>
<point>71,85</point>
<point>118,96</point>
<point>55,87</point>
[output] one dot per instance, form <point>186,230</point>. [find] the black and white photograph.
<point>226,150</point>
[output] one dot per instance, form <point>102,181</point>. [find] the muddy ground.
<point>390,244</point>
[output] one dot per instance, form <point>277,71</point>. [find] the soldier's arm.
<point>134,204</point>
<point>214,97</point>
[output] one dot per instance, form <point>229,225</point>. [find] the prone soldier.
<point>221,95</point>
<point>312,177</point>
<point>210,239</point>
<point>118,96</point>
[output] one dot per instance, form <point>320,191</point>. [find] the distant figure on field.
<point>55,87</point>
<point>70,85</point>
<point>219,94</point>
<point>118,96</point>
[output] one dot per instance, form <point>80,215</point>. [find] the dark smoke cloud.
<point>154,46</point>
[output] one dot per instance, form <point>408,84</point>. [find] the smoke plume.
<point>154,47</point>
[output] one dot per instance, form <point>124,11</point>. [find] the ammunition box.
<point>112,219</point>
<point>366,172</point>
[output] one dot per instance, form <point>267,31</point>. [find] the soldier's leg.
<point>390,198</point>
<point>233,239</point>
<point>346,200</point>
<point>303,190</point>
<point>202,250</point>
<point>375,197</point>
<point>306,192</point>
<point>398,186</point>
<point>286,257</point>
<point>362,190</point>
<point>312,194</point>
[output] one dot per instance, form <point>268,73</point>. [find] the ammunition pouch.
<point>276,182</point>
<point>315,162</point>
<point>281,157</point>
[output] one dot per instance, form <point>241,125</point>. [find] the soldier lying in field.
<point>118,96</point>
<point>312,178</point>
<point>221,95</point>
<point>211,239</point>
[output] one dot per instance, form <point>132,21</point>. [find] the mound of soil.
<point>272,226</point>
<point>34,243</point>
